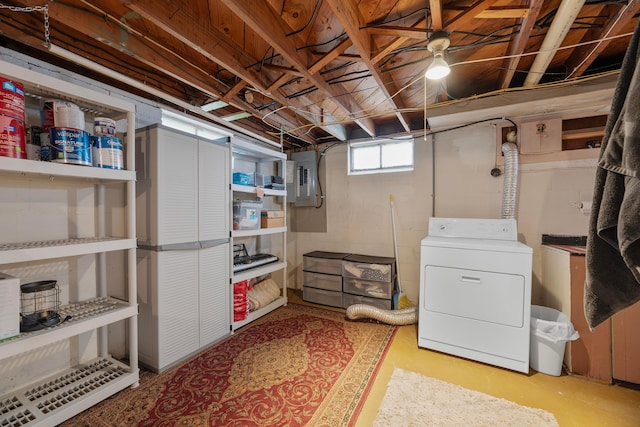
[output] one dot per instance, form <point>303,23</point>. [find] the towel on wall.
<point>613,243</point>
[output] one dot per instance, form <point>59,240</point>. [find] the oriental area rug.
<point>412,399</point>
<point>297,366</point>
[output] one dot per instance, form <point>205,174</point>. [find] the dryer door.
<point>472,294</point>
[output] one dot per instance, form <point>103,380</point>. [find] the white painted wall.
<point>359,219</point>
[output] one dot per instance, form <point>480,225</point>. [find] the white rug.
<point>412,399</point>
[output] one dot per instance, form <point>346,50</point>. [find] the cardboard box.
<point>9,306</point>
<point>271,219</point>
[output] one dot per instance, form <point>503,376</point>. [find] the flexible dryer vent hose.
<point>406,316</point>
<point>510,186</point>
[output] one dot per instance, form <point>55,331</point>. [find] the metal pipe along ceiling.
<point>566,14</point>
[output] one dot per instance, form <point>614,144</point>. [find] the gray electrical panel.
<point>302,178</point>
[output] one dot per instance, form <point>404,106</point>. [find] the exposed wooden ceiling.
<point>316,71</point>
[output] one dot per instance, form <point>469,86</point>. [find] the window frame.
<point>380,169</point>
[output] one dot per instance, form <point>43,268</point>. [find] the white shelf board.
<point>30,168</point>
<point>42,84</point>
<point>33,251</point>
<point>60,397</point>
<point>253,190</point>
<point>253,315</point>
<point>86,316</point>
<point>258,232</point>
<point>258,271</point>
<point>239,146</point>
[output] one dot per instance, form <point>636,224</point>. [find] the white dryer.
<point>475,291</point>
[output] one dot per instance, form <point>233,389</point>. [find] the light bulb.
<point>438,68</point>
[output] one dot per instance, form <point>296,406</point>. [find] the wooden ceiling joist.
<point>315,71</point>
<point>404,32</point>
<point>214,45</point>
<point>518,44</point>
<point>330,56</point>
<point>270,26</point>
<point>503,13</point>
<point>228,96</point>
<point>347,12</point>
<point>583,56</point>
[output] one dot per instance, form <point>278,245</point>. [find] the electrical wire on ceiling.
<point>424,134</point>
<point>311,18</point>
<point>488,39</point>
<point>452,102</point>
<point>485,39</point>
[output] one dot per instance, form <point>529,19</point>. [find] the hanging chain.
<point>43,9</point>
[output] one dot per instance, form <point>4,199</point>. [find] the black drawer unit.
<point>322,278</point>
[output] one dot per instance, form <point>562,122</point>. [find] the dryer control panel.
<point>474,228</point>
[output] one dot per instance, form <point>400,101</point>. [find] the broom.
<point>401,301</point>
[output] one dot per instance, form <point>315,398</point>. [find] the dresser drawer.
<point>323,262</point>
<point>366,267</point>
<point>350,299</point>
<point>322,296</point>
<point>322,281</point>
<point>367,288</point>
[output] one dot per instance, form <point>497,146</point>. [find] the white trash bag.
<point>552,324</point>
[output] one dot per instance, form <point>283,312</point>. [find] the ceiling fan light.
<point>438,68</point>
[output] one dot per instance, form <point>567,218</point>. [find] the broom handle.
<point>395,241</point>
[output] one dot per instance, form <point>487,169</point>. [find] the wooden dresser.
<point>608,353</point>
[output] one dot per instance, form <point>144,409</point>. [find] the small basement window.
<point>380,156</point>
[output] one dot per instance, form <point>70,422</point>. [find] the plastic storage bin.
<point>322,281</point>
<point>322,296</point>
<point>246,214</point>
<point>379,269</point>
<point>323,262</point>
<point>550,331</point>
<point>351,299</point>
<point>240,178</point>
<point>368,288</point>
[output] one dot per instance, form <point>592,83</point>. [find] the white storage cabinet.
<point>250,157</point>
<point>184,255</point>
<point>74,224</point>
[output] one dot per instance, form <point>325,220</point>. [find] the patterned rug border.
<point>348,393</point>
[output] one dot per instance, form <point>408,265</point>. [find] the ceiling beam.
<point>583,56</point>
<point>331,55</point>
<point>435,11</point>
<point>560,26</point>
<point>404,32</point>
<point>349,15</point>
<point>506,12</point>
<point>233,90</point>
<point>281,69</point>
<point>264,20</point>
<point>137,46</point>
<point>463,19</point>
<point>518,44</point>
<point>217,47</point>
<point>377,57</point>
<point>285,77</point>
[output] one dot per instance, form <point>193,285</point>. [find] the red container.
<point>11,99</point>
<point>13,138</point>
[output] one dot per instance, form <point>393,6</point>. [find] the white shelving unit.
<point>249,157</point>
<point>79,378</point>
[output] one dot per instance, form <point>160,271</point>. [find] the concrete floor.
<point>573,400</point>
